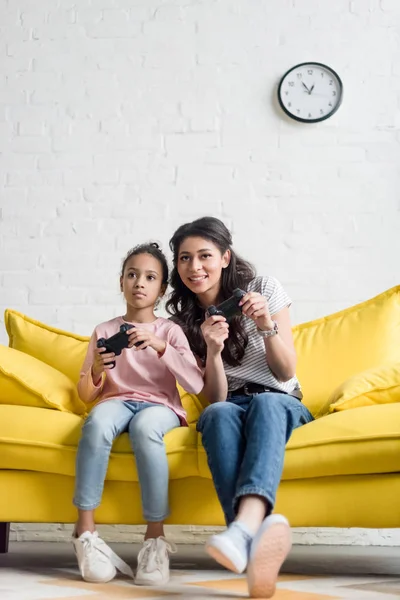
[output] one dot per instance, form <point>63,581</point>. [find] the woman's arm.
<point>215,331</point>
<point>280,351</point>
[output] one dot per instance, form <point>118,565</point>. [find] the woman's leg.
<point>97,562</point>
<point>222,428</point>
<point>270,420</point>
<point>146,432</point>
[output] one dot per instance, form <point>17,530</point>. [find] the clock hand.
<point>311,90</point>
<point>305,86</point>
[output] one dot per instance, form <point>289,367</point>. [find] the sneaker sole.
<point>264,565</point>
<point>223,560</point>
<point>103,580</point>
<point>150,583</point>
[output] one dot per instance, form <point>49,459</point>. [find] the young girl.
<point>139,396</point>
<point>255,398</point>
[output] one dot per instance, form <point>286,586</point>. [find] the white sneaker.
<point>153,562</point>
<point>269,548</point>
<point>97,562</point>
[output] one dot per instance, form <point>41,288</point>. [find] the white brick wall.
<point>120,119</point>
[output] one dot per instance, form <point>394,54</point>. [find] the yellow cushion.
<point>26,381</point>
<point>60,349</point>
<point>37,439</point>
<point>375,386</point>
<point>191,404</point>
<point>333,349</point>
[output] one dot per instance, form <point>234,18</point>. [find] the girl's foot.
<point>269,548</point>
<point>153,562</point>
<point>97,562</point>
<point>231,548</point>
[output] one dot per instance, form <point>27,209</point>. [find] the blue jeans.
<point>146,424</point>
<point>245,439</point>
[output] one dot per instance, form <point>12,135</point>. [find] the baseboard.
<point>191,534</point>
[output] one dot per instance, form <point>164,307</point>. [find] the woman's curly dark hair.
<point>183,304</point>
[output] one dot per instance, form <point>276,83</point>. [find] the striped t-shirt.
<point>254,367</point>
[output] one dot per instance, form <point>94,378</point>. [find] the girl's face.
<point>200,265</point>
<point>141,282</point>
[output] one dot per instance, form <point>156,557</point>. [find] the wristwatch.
<point>268,332</point>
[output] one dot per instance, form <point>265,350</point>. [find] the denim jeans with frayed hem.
<point>146,424</point>
<point>245,438</point>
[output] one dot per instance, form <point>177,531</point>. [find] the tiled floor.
<point>44,571</point>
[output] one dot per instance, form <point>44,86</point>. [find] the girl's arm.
<point>88,389</point>
<point>180,361</point>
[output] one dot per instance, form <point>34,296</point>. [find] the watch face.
<point>310,92</point>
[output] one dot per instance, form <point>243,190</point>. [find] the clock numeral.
<point>309,115</point>
<point>286,93</point>
<point>299,75</point>
<point>330,104</point>
<point>298,111</point>
<point>291,83</point>
<point>321,111</point>
<point>331,82</point>
<point>289,104</point>
<point>310,71</point>
<point>333,93</point>
<point>322,73</point>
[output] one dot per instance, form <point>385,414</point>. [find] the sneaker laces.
<point>93,544</point>
<point>150,556</point>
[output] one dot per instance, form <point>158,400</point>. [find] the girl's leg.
<point>154,529</point>
<point>97,562</point>
<point>146,432</point>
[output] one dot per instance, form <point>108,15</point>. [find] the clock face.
<point>310,92</point>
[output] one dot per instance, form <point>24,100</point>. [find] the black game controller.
<point>116,343</point>
<point>228,308</point>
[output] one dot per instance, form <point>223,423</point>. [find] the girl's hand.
<point>101,357</point>
<point>149,340</point>
<point>215,331</point>
<point>255,306</point>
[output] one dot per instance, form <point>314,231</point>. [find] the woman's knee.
<point>216,414</point>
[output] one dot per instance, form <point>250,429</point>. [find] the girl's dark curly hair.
<point>183,304</point>
<point>154,250</point>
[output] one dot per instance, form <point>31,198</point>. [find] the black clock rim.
<point>300,119</point>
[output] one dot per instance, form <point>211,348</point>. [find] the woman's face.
<point>200,265</point>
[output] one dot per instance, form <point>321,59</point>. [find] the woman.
<point>255,398</point>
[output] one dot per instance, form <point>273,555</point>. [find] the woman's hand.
<point>101,358</point>
<point>148,339</point>
<point>215,331</point>
<point>255,306</point>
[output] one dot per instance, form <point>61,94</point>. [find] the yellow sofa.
<point>342,470</point>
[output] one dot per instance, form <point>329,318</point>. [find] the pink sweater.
<point>142,375</point>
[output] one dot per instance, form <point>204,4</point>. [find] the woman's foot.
<point>231,548</point>
<point>269,548</point>
<point>97,562</point>
<point>153,562</point>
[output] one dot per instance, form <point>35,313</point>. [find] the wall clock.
<point>310,92</point>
